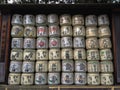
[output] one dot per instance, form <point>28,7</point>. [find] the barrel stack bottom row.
<point>63,78</point>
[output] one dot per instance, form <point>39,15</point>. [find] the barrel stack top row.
<point>65,19</point>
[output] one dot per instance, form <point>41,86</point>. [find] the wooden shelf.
<point>47,8</point>
<point>58,87</point>
<point>81,5</point>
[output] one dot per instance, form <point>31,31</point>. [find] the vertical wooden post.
<point>7,48</point>
<point>116,45</point>
<point>4,43</point>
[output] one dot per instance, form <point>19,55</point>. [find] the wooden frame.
<point>8,10</point>
<point>116,44</point>
<point>5,39</point>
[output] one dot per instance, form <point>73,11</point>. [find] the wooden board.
<point>116,46</point>
<point>53,88</point>
<point>85,89</point>
<point>27,89</point>
<point>4,43</point>
<point>7,48</point>
<point>0,34</point>
<point>2,72</point>
<point>2,88</point>
<point>56,87</point>
<point>3,37</point>
<point>24,87</point>
<point>117,89</point>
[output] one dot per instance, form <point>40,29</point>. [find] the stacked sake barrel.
<point>23,49</point>
<point>30,50</point>
<point>54,50</point>
<point>67,76</point>
<point>41,67</point>
<point>48,49</point>
<point>17,33</point>
<point>79,49</point>
<point>92,46</point>
<point>105,46</point>
<point>99,55</point>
